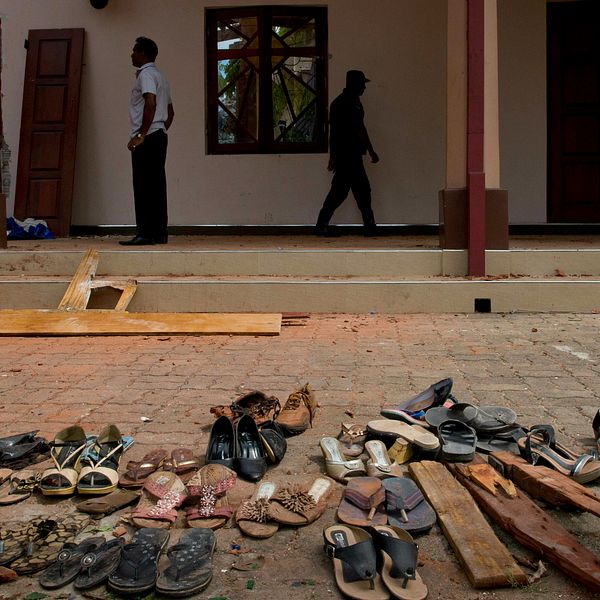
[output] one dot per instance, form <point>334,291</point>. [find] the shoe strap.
<point>403,554</point>
<point>360,559</point>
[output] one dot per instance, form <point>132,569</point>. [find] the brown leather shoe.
<point>298,412</point>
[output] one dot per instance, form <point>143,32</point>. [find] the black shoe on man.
<point>138,240</point>
<point>326,231</point>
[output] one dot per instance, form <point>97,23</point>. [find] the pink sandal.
<point>162,494</point>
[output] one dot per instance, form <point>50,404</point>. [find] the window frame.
<point>264,14</point>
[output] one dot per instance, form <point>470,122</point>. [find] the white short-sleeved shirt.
<point>148,79</point>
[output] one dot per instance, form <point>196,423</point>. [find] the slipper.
<point>299,505</point>
<point>379,463</point>
<point>67,565</point>
<point>101,461</point>
<point>399,570</point>
<point>352,437</point>
<point>395,429</point>
<point>190,569</point>
<point>458,441</point>
<point>506,441</point>
<point>484,419</point>
<point>406,506</point>
<point>540,445</point>
<point>108,504</point>
<point>183,463</point>
<point>5,475</point>
<point>15,541</point>
<point>137,570</point>
<point>44,540</point>
<point>138,472</point>
<point>362,503</point>
<point>207,491</point>
<point>253,515</point>
<point>20,487</point>
<point>162,494</point>
<point>354,562</point>
<point>98,564</point>
<point>65,451</point>
<point>335,463</point>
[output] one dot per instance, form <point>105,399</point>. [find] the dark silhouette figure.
<point>348,143</point>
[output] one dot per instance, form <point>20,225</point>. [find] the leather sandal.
<point>298,505</point>
<point>162,494</point>
<point>336,465</point>
<point>183,463</point>
<point>354,562</point>
<point>395,429</point>
<point>352,436</point>
<point>138,472</point>
<point>362,503</point>
<point>379,463</point>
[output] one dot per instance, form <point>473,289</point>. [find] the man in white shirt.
<point>151,114</point>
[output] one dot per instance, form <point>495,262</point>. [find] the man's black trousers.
<point>150,185</point>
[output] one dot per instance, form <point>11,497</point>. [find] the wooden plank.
<point>109,322</point>
<point>78,293</point>
<point>545,483</point>
<point>127,295</point>
<point>485,559</point>
<point>534,529</point>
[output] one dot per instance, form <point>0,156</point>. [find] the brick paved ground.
<point>545,367</point>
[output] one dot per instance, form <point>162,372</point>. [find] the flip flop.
<point>506,441</point>
<point>336,465</point>
<point>253,515</point>
<point>354,562</point>
<point>458,441</point>
<point>406,506</point>
<point>137,570</point>
<point>362,503</point>
<point>395,429</point>
<point>190,569</point>
<point>399,570</point>
<point>138,472</point>
<point>162,494</point>
<point>298,505</point>
<point>98,564</point>
<point>109,503</point>
<point>484,419</point>
<point>379,463</point>
<point>16,540</point>
<point>352,437</point>
<point>20,487</point>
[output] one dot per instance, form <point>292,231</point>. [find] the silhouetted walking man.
<point>348,142</point>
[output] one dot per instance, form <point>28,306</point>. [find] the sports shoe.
<point>298,412</point>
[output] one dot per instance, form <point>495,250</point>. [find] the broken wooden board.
<point>544,483</point>
<point>485,559</point>
<point>78,293</point>
<point>534,529</point>
<point>490,480</point>
<point>111,322</point>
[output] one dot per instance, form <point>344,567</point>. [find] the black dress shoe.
<point>251,457</point>
<point>326,231</point>
<point>161,239</point>
<point>221,443</point>
<point>138,240</point>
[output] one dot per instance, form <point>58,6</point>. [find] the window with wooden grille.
<point>266,79</point>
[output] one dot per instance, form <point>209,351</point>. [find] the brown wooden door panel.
<point>574,112</point>
<point>49,120</point>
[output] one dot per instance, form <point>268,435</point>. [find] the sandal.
<point>362,503</point>
<point>298,505</point>
<point>14,541</point>
<point>394,429</point>
<point>21,486</point>
<point>253,516</point>
<point>190,569</point>
<point>335,464</point>
<point>137,570</point>
<point>379,463</point>
<point>483,419</point>
<point>354,562</point>
<point>66,451</point>
<point>352,438</point>
<point>501,442</point>
<point>98,564</point>
<point>162,494</point>
<point>207,491</point>
<point>21,450</point>
<point>399,570</point>
<point>138,472</point>
<point>101,461</point>
<point>458,441</point>
<point>258,405</point>
<point>183,463</point>
<point>406,506</point>
<point>109,503</point>
<point>67,565</point>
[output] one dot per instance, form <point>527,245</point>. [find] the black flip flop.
<point>138,567</point>
<point>484,419</point>
<point>98,564</point>
<point>458,441</point>
<point>190,569</point>
<point>501,442</point>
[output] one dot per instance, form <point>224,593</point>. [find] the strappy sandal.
<point>354,562</point>
<point>379,463</point>
<point>458,441</point>
<point>352,437</point>
<point>335,463</point>
<point>207,489</point>
<point>162,494</point>
<point>540,445</point>
<point>183,463</point>
<point>98,564</point>
<point>66,451</point>
<point>138,472</point>
<point>399,570</point>
<point>253,516</point>
<point>190,569</point>
<point>299,505</point>
<point>362,503</point>
<point>101,461</point>
<point>20,487</point>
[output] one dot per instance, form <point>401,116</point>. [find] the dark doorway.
<point>574,112</point>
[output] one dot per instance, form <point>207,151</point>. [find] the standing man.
<point>348,142</point>
<point>151,114</point>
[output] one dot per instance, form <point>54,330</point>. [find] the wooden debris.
<point>534,529</point>
<point>485,559</point>
<point>546,483</point>
<point>78,293</point>
<point>489,479</point>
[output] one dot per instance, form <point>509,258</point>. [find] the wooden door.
<point>46,166</point>
<point>574,112</point>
